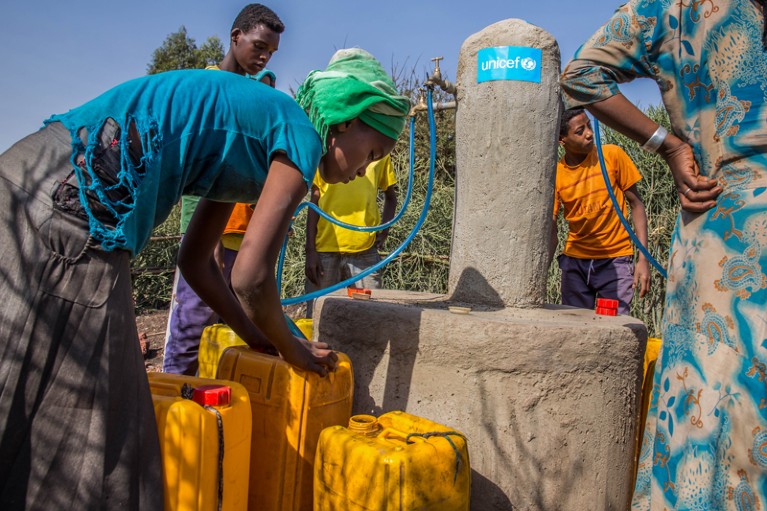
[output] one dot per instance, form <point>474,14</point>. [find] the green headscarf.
<point>353,85</point>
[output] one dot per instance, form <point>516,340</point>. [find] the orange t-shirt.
<point>236,226</point>
<point>595,231</point>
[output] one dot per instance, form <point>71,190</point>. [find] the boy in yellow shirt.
<point>333,253</point>
<point>598,259</point>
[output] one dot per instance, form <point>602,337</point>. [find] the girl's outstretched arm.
<point>253,278</point>
<point>203,273</point>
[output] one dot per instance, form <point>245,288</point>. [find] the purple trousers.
<point>189,316</point>
<point>583,280</point>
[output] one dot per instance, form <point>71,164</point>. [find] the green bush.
<point>154,267</point>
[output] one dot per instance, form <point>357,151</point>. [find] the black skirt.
<point>77,427</point>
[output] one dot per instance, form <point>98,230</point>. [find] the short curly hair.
<point>567,115</point>
<point>253,15</point>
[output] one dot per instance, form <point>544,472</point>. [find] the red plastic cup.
<point>606,303</point>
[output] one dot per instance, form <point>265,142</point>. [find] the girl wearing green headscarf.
<point>358,113</point>
<point>83,196</point>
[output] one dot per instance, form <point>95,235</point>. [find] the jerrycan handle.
<point>446,435</point>
<point>161,388</point>
<point>395,434</point>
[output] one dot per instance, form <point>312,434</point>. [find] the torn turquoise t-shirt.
<point>207,134</point>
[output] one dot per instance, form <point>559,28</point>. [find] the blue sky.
<point>57,55</point>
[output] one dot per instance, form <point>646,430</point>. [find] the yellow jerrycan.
<point>195,418</point>
<point>652,351</point>
<point>290,408</point>
<point>216,338</point>
<point>397,462</point>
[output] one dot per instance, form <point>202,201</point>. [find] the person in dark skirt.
<point>81,196</point>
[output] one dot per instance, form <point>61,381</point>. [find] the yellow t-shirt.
<point>356,203</point>
<point>595,231</point>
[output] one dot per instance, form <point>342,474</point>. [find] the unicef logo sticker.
<point>528,64</point>
<point>517,63</point>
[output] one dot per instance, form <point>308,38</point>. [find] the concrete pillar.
<point>506,136</point>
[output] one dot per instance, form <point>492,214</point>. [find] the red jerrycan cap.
<point>212,395</point>
<point>606,303</point>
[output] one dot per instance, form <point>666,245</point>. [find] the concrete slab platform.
<point>547,397</point>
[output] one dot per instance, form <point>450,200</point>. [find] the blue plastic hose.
<point>617,206</point>
<point>294,328</point>
<point>405,243</point>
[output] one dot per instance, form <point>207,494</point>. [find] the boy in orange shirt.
<point>598,259</point>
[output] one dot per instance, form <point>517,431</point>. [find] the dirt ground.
<point>151,329</point>
<point>152,325</point>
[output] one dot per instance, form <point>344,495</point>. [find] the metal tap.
<point>436,78</point>
<point>422,106</point>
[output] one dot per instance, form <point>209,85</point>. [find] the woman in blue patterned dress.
<point>705,443</point>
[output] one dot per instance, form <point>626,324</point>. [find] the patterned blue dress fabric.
<point>705,442</point>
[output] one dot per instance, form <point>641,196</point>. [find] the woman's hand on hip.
<point>697,193</point>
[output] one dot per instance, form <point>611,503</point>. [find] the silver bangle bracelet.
<point>656,140</point>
